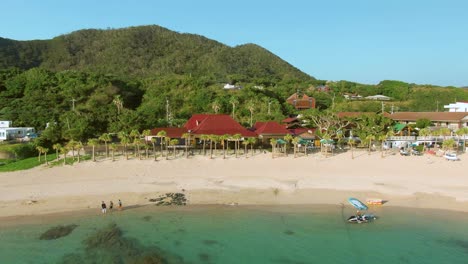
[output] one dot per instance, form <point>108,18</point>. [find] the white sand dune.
<point>416,181</point>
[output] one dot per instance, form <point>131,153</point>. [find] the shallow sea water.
<point>243,234</point>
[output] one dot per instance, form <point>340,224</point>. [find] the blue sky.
<point>424,42</point>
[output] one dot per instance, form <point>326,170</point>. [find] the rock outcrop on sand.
<point>170,199</point>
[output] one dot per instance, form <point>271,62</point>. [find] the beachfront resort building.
<point>451,120</point>
<point>8,132</point>
<point>203,124</point>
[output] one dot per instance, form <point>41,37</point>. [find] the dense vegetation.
<point>92,82</point>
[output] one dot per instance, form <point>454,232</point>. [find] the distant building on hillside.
<point>229,86</point>
<point>457,107</point>
<point>378,97</point>
<point>301,102</point>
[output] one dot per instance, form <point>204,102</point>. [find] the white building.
<point>378,97</point>
<point>457,107</point>
<point>7,132</point>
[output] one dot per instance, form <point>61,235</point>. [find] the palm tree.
<point>135,135</point>
<point>113,148</point>
<point>251,107</point>
<point>125,140</point>
<point>79,146</point>
<point>161,135</point>
<point>233,101</point>
<point>463,132</point>
<point>211,139</point>
<point>351,142</point>
<point>369,139</point>
<point>167,141</point>
<point>425,132</point>
<point>204,138</point>
<point>216,106</point>
<point>45,150</point>
<point>223,140</point>
<point>39,150</point>
<point>288,139</point>
<point>57,147</point>
<point>237,138</point>
<point>273,143</point>
<point>146,133</point>
<point>71,145</point>
<point>295,142</point>
<point>382,138</point>
<point>246,144</point>
<point>93,142</point>
<point>136,145</point>
<point>449,144</point>
<point>186,136</point>
<point>118,102</point>
<point>174,142</point>
<point>106,137</point>
<point>215,139</point>
<point>153,141</point>
<point>252,142</point>
<point>64,151</point>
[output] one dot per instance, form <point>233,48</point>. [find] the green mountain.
<point>146,51</point>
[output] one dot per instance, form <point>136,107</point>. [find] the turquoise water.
<point>217,234</point>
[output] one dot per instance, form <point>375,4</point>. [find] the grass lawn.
<point>24,164</point>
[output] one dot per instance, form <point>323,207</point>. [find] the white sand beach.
<point>415,181</point>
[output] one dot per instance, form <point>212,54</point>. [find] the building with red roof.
<point>216,124</point>
<point>270,129</point>
<point>301,102</point>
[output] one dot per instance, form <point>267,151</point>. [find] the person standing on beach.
<point>104,207</point>
<point>111,205</point>
<point>120,205</point>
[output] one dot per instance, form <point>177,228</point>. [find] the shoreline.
<point>414,182</point>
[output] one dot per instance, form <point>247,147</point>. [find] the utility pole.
<point>383,108</point>
<point>269,103</point>
<point>392,110</point>
<point>167,110</point>
<point>437,102</point>
<point>73,100</point>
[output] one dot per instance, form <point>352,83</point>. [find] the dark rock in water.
<point>463,244</point>
<point>170,199</point>
<point>109,245</point>
<point>210,242</point>
<point>57,232</point>
<point>289,232</point>
<point>147,218</point>
<point>204,257</point>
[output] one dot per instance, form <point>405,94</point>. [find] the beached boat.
<point>374,201</point>
<point>359,219</point>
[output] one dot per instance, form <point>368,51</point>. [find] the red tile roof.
<point>270,128</point>
<point>172,132</point>
<point>433,116</point>
<point>214,124</point>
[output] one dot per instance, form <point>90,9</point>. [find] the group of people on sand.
<point>111,206</point>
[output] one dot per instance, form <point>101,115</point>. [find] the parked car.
<point>451,156</point>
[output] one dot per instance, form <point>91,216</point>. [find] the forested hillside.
<point>146,51</point>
